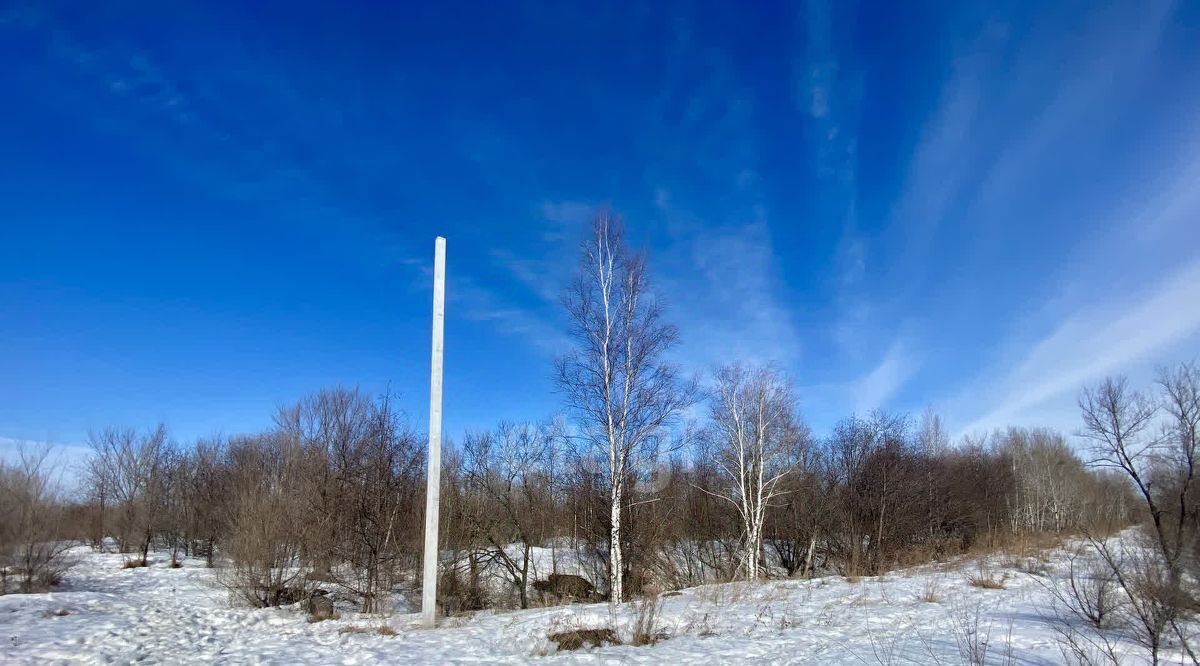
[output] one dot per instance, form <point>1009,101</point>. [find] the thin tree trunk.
<point>525,578</point>
<point>615,560</point>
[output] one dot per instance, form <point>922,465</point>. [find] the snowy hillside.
<point>932,614</point>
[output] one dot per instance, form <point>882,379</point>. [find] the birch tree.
<point>624,394</point>
<point>754,438</point>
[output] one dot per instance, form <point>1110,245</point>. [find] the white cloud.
<point>936,174</point>
<point>877,387</point>
<point>479,304</point>
<point>543,277</point>
<point>1108,338</point>
<point>566,218</point>
<point>817,86</point>
<point>722,286</point>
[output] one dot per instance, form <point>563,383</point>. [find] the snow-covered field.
<point>931,614</point>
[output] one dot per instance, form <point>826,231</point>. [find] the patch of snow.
<point>182,616</point>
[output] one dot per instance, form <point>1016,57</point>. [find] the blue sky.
<point>208,209</point>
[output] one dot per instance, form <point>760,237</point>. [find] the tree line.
<point>648,480</point>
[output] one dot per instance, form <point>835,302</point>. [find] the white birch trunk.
<point>616,564</point>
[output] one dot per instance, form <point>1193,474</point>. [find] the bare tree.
<point>208,494</point>
<point>128,469</point>
<point>1052,481</point>
<point>358,489</point>
<point>1118,421</point>
<point>509,472</point>
<point>932,438</point>
<point>624,393</point>
<point>380,475</point>
<point>268,523</point>
<point>879,485</point>
<point>33,540</point>
<point>754,439</point>
<point>1180,388</point>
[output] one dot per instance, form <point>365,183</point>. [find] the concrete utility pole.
<point>434,477</point>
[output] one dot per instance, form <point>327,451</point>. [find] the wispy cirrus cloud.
<point>484,305</point>
<point>1124,303</point>
<point>235,122</point>
<point>734,310</point>
<point>997,159</point>
<point>879,386</point>
<point>544,265</point>
<point>828,95</point>
<point>716,259</point>
<point>935,175</point>
<point>566,219</point>
<point>1108,338</point>
<point>544,276</point>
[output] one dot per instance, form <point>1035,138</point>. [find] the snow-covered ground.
<point>926,615</point>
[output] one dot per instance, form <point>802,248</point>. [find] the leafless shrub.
<point>646,629</point>
<point>1080,648</point>
<point>33,545</point>
<point>354,491</point>
<point>508,471</point>
<point>971,635</point>
<point>267,525</point>
<point>1089,592</point>
<point>703,625</point>
<point>930,593</point>
<point>885,651</point>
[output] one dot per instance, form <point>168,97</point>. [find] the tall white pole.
<point>433,479</point>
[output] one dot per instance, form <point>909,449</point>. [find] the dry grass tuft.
<point>985,579</point>
<point>645,624</point>
<point>576,639</point>
<point>1031,565</point>
<point>133,563</point>
<point>61,612</point>
<point>930,593</point>
<point>313,619</point>
<point>382,630</point>
<point>986,582</point>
